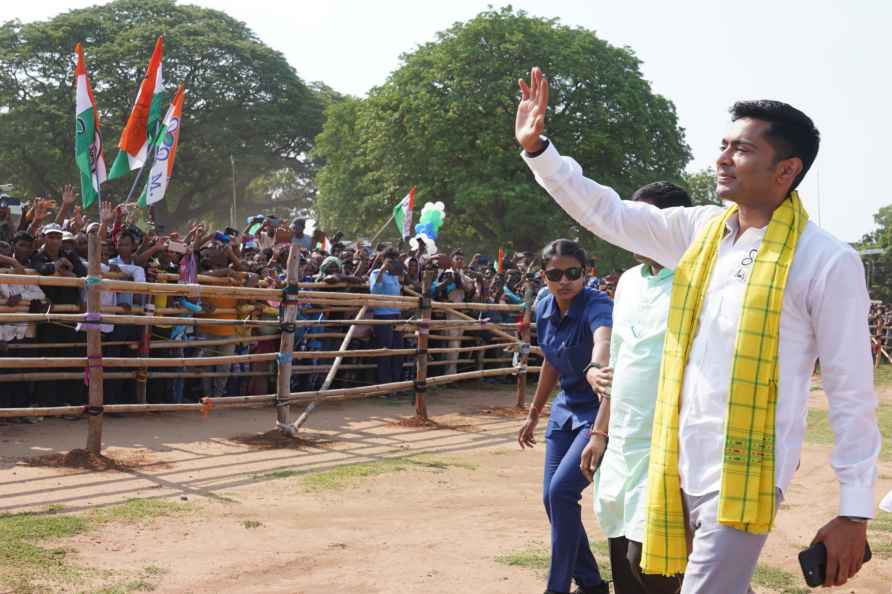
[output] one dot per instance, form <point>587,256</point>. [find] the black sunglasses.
<point>572,274</point>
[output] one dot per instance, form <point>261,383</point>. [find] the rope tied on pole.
<point>93,411</point>
<point>92,281</point>
<point>93,362</point>
<point>206,406</point>
<point>282,358</point>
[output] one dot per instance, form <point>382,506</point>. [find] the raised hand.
<point>68,195</point>
<point>106,212</point>
<point>530,120</point>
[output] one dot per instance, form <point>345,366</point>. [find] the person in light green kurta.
<point>629,389</point>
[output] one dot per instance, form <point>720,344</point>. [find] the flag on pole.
<point>87,140</point>
<point>402,214</point>
<point>144,118</point>
<point>167,140</point>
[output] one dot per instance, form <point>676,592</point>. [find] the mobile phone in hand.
<point>813,562</point>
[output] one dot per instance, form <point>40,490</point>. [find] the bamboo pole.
<point>286,342</point>
<point>142,378</point>
<point>523,334</point>
<point>326,384</point>
<point>259,400</point>
<point>94,348</point>
<point>422,333</point>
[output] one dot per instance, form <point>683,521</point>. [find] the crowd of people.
<point>46,237</point>
<point>880,323</point>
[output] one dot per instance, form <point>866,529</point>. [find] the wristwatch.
<point>592,364</point>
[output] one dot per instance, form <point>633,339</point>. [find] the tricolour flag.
<point>87,140</point>
<point>500,261</point>
<point>165,153</point>
<point>142,124</point>
<point>402,214</point>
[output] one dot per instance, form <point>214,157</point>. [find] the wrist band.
<point>592,432</point>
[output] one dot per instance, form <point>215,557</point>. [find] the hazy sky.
<point>829,58</point>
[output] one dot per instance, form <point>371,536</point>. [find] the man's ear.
<point>787,170</point>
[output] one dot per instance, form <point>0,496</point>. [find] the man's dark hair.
<point>563,247</point>
<point>22,236</point>
<point>128,233</point>
<point>390,253</point>
<point>458,252</point>
<point>791,132</point>
<point>663,194</point>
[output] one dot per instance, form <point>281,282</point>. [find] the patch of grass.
<point>278,474</point>
<point>882,375</point>
<point>881,549</point>
<point>535,559</point>
<point>26,566</point>
<point>140,510</point>
<point>539,559</point>
<point>341,477</point>
<point>249,524</point>
<point>778,580</point>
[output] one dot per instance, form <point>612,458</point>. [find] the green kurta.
<point>639,325</point>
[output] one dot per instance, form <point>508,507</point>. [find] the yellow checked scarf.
<point>747,496</point>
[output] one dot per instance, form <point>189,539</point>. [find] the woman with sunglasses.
<point>573,325</point>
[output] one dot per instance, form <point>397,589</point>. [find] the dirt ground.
<point>306,520</point>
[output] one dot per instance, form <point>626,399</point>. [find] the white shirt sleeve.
<point>661,235</point>
<point>839,305</point>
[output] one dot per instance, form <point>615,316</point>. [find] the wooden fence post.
<point>286,342</point>
<point>422,335</point>
<point>142,375</point>
<point>523,333</point>
<point>94,344</point>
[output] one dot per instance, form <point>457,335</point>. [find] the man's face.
<point>53,242</point>
<point>23,249</point>
<point>458,261</point>
<point>125,246</point>
<point>748,171</point>
<point>82,244</point>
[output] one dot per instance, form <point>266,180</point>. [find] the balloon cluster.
<point>429,223</point>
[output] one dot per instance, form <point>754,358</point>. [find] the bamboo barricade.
<point>422,334</point>
<point>326,384</point>
<point>94,348</point>
<point>523,334</point>
<point>294,296</point>
<point>286,342</point>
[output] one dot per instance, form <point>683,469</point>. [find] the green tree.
<point>242,99</point>
<point>879,265</point>
<point>443,121</point>
<point>701,186</point>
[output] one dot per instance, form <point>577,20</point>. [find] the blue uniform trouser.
<point>571,556</point>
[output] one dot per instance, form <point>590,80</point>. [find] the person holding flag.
<point>88,152</point>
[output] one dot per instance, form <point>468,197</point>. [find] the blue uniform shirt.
<point>567,344</point>
<point>384,283</point>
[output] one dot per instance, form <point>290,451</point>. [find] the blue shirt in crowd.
<point>384,283</point>
<point>567,344</point>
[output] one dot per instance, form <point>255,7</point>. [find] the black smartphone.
<point>813,561</point>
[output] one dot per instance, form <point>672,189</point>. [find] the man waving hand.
<point>760,293</point>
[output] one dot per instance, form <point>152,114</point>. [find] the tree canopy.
<point>242,99</point>
<point>444,121</point>
<point>879,266</point>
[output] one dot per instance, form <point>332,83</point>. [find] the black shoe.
<point>602,588</point>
